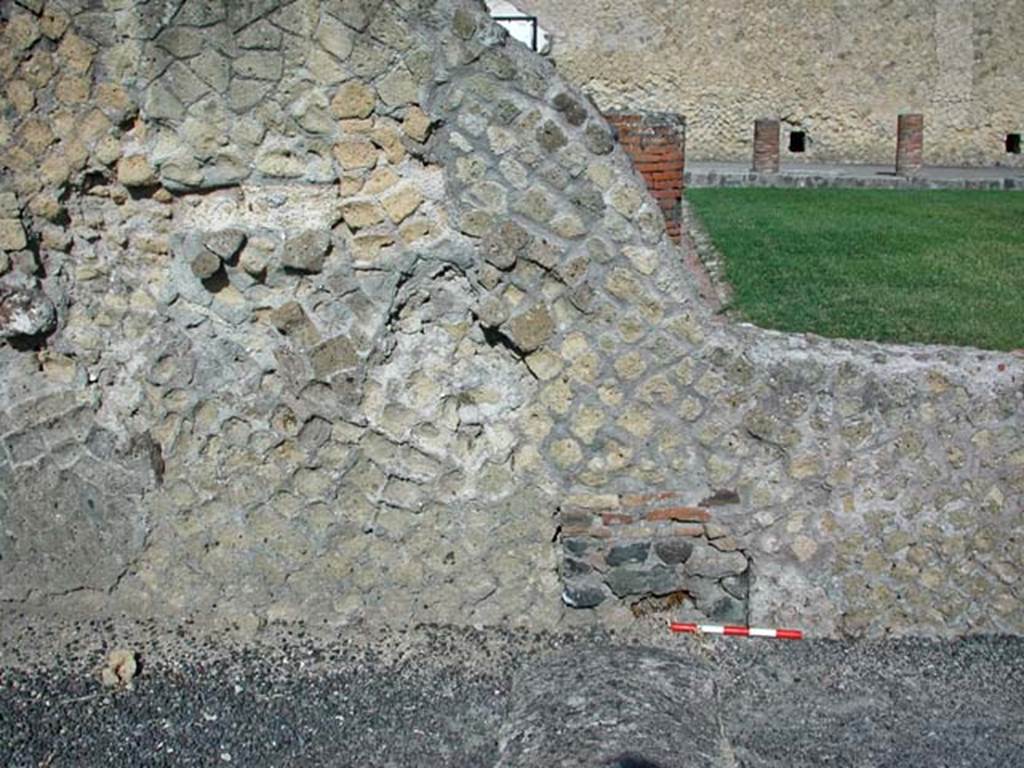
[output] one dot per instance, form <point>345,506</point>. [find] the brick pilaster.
<point>909,144</point>
<point>656,141</point>
<point>766,145</point>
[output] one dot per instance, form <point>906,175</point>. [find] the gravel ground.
<point>880,703</point>
<point>283,696</point>
<point>443,696</point>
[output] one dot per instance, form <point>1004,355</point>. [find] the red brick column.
<point>656,141</point>
<point>909,144</point>
<point>766,145</point>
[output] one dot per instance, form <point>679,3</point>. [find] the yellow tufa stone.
<point>568,226</point>
<point>362,214</point>
<point>566,452</point>
<point>46,206</point>
<point>937,383</point>
<point>557,396</point>
<point>112,98</point>
<point>587,423</point>
<point>64,122</point>
<point>55,169</point>
<point>20,94</point>
<point>530,329</point>
<point>585,367</point>
<point>72,89</point>
<point>416,230</point>
<point>544,364</point>
<point>38,69</point>
<point>107,150</point>
<point>356,125</point>
<point>380,180</point>
<point>804,548</point>
<point>804,466</point>
<point>367,248</point>
<point>22,31</point>
<point>636,420</point>
<point>690,409</point>
<point>385,135</point>
<point>403,204</point>
<point>75,53</point>
<point>610,396</point>
<point>353,99</point>
<point>94,126</point>
<point>416,124</point>
<point>35,136</point>
<point>12,235</point>
<point>349,186</point>
<point>353,154</point>
<point>630,365</point>
<point>644,260</point>
<point>5,132</point>
<point>657,389</point>
<point>475,223</point>
<point>626,199</point>
<point>135,171</point>
<point>574,345</point>
<point>54,22</point>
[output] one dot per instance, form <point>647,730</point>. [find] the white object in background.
<point>521,26</point>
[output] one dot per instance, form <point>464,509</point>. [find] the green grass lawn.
<point>943,267</point>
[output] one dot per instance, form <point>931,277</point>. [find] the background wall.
<point>839,69</point>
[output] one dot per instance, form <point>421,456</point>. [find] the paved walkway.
<point>505,699</point>
<point>721,174</point>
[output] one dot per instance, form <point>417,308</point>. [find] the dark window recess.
<point>1013,143</point>
<point>797,141</point>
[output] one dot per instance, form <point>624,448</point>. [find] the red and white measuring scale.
<point>717,629</point>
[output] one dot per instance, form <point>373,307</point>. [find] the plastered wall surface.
<point>346,310</point>
<point>841,71</point>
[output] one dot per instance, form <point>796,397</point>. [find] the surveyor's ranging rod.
<point>715,629</point>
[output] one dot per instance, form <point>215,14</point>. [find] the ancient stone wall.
<point>840,71</point>
<point>343,309</point>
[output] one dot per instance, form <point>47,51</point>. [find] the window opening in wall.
<point>522,28</point>
<point>1013,143</point>
<point>797,141</point>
